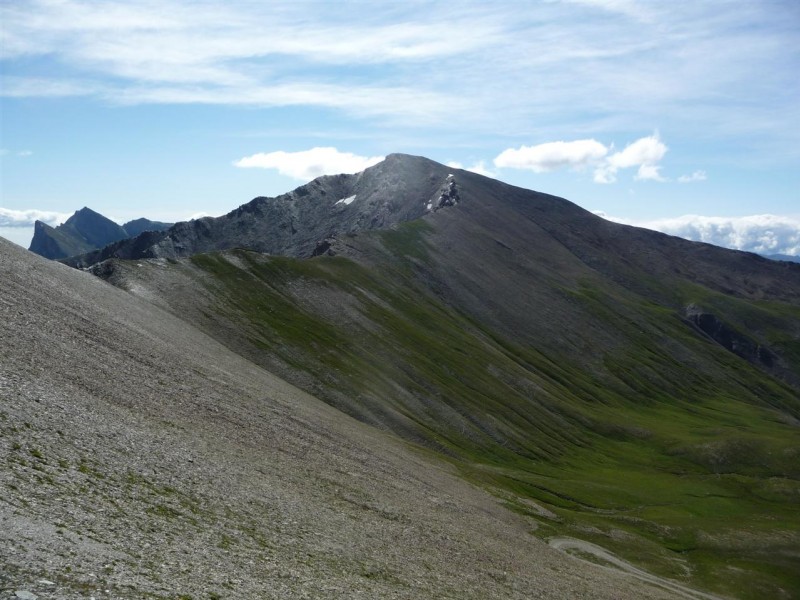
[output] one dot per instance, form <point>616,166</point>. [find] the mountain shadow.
<point>84,231</point>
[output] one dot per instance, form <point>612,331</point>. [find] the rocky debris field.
<point>141,459</point>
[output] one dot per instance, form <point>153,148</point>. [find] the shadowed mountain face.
<point>138,226</point>
<point>83,232</point>
<point>399,189</point>
<point>611,383</point>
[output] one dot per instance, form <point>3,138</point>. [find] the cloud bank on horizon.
<point>762,234</point>
<point>27,218</point>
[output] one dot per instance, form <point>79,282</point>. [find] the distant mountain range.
<point>784,257</point>
<point>85,231</point>
<point>607,384</point>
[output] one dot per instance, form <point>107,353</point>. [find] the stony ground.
<point>141,459</point>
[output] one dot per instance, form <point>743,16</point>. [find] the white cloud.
<point>136,33</point>
<point>696,176</point>
<point>764,234</point>
<point>552,155</point>
<point>479,168</point>
<point>26,218</point>
<point>643,153</point>
<point>47,87</point>
<point>308,164</point>
<point>649,173</point>
<point>629,8</point>
<point>363,101</point>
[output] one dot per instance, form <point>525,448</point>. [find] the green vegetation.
<point>669,450</point>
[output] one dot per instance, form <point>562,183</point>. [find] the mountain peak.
<point>86,211</point>
<point>400,188</point>
<point>84,231</point>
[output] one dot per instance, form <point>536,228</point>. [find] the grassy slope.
<point>692,473</point>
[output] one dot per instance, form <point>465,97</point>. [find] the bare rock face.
<point>399,189</point>
<point>448,196</point>
<point>83,232</point>
<point>729,338</point>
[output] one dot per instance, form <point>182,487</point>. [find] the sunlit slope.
<point>582,387</point>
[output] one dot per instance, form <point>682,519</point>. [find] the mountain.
<point>84,231</point>
<point>397,190</point>
<point>784,257</point>
<point>138,226</point>
<point>617,385</point>
<point>143,459</point>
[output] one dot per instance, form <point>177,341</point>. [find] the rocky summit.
<point>399,189</point>
<point>84,231</point>
<point>412,382</point>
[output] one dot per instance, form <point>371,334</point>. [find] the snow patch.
<point>346,201</point>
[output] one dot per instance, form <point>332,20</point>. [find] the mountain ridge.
<point>85,231</point>
<point>399,189</point>
<point>297,222</point>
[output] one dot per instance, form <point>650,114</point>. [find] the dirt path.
<point>566,544</point>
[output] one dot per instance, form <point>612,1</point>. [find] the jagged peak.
<point>86,211</point>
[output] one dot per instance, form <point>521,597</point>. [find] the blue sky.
<point>682,116</point>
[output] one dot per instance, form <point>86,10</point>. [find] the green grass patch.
<point>663,450</point>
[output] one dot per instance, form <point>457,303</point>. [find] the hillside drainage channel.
<point>575,548</point>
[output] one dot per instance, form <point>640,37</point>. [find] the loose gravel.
<point>139,458</point>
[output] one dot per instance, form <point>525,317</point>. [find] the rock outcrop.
<point>729,338</point>
<point>85,231</point>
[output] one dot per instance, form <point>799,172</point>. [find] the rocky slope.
<point>142,459</point>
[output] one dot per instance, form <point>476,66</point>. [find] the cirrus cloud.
<point>308,164</point>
